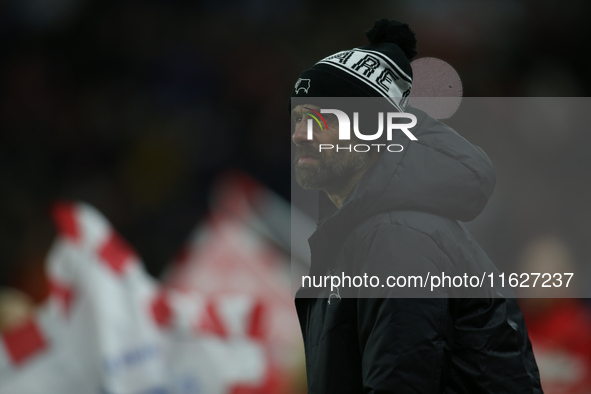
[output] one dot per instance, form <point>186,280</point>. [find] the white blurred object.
<point>109,328</point>
<point>243,249</point>
<point>436,88</point>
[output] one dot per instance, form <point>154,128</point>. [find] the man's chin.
<point>309,186</point>
<point>307,177</point>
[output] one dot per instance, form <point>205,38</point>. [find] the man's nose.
<point>300,135</point>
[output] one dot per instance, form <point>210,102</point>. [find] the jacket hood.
<point>441,173</point>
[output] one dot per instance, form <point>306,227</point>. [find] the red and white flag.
<point>109,328</point>
<point>229,256</point>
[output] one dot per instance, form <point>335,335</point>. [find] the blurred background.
<point>137,107</point>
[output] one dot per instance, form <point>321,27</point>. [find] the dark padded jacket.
<point>403,218</point>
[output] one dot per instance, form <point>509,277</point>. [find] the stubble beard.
<point>331,171</point>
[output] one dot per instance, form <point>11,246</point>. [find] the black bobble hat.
<point>381,69</point>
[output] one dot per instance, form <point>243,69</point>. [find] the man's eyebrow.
<point>296,111</point>
<point>301,108</point>
<point>311,106</point>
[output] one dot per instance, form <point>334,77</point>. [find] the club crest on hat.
<point>302,84</point>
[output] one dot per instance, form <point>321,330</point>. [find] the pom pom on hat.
<point>394,32</point>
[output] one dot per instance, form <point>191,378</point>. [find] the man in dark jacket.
<point>399,214</point>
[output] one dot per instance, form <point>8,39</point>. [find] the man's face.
<point>327,169</point>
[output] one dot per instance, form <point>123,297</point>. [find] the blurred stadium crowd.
<point>136,107</point>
